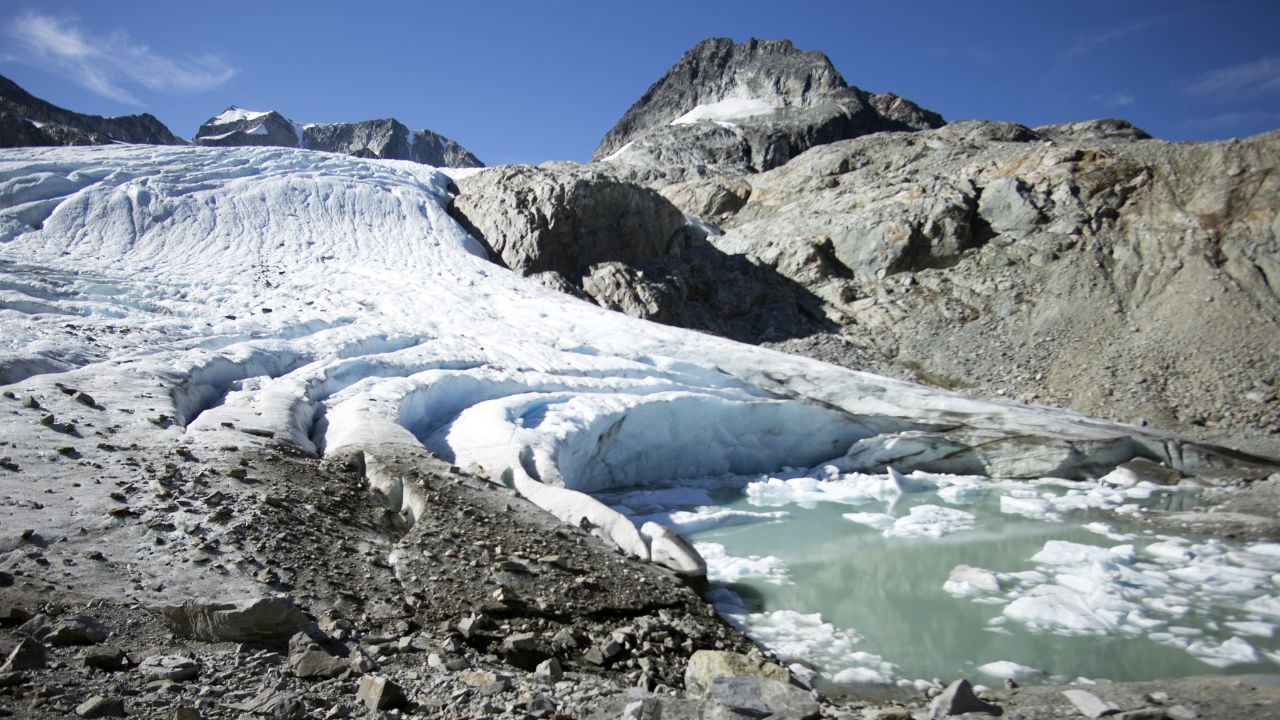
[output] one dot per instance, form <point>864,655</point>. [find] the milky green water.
<point>890,590</point>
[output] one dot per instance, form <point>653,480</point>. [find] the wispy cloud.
<point>1238,82</point>
<point>110,64</point>
<point>1088,43</point>
<point>1226,122</point>
<point>1114,100</point>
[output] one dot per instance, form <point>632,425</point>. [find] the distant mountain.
<point>750,106</point>
<point>387,139</point>
<point>28,120</point>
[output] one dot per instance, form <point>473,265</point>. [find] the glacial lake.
<point>851,578</point>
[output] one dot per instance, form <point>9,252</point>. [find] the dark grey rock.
<point>958,699</point>
<point>29,654</point>
<point>812,105</point>
<point>316,664</point>
<point>379,693</point>
<point>549,670</point>
<point>105,658</point>
<point>177,668</point>
<point>100,707</point>
<point>734,697</point>
<point>267,621</point>
<point>74,630</point>
<point>386,139</point>
<point>20,111</point>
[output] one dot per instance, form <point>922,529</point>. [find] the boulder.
<point>29,654</point>
<point>565,220</point>
<point>707,665</point>
<point>959,699</point>
<point>379,693</point>
<point>757,697</point>
<point>267,621</point>
<point>177,668</point>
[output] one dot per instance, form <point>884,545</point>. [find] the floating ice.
<point>1006,669</point>
<point>725,568</point>
<point>879,521</point>
<point>1032,506</point>
<point>1233,651</point>
<point>932,521</point>
<point>690,521</point>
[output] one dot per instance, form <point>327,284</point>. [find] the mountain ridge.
<point>28,120</point>
<point>382,138</point>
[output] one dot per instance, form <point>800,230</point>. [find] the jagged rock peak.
<point>385,138</point>
<point>718,79</point>
<point>27,120</point>
<point>237,126</point>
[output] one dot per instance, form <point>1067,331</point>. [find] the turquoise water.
<point>889,591</point>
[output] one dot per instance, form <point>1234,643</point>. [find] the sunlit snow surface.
<point>1023,580</point>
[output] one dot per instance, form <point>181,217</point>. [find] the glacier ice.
<point>333,303</point>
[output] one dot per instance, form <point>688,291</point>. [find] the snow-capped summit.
<point>386,139</point>
<point>757,104</point>
<point>237,126</point>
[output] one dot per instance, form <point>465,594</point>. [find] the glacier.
<point>210,297</point>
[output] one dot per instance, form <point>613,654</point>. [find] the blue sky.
<point>532,81</point>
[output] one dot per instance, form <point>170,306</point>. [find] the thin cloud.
<point>1231,121</point>
<point>1091,42</point>
<point>1238,82</point>
<point>110,64</point>
<point>1114,100</point>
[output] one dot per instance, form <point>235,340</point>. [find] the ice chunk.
<point>1062,552</point>
<point>879,521</point>
<point>1168,552</point>
<point>930,521</point>
<point>693,521</point>
<point>1233,651</point>
<point>965,581</point>
<point>1035,508</point>
<point>1005,669</point>
<point>725,568</point>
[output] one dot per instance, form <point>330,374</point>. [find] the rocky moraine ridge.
<point>751,193</point>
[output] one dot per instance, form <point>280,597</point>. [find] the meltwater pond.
<point>874,579</point>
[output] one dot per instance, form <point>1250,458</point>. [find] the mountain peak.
<point>777,99</point>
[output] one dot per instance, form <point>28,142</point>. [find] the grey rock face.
<point>579,230</point>
<point>1078,264</point>
<point>754,697</point>
<point>386,139</point>
<point>26,120</point>
<point>760,102</point>
<point>236,127</point>
<point>539,220</point>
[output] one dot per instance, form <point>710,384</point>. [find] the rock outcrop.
<point>627,248</point>
<point>386,139</point>
<point>752,106</point>
<point>26,120</point>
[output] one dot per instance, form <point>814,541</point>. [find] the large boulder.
<point>707,665</point>
<point>566,220</point>
<point>266,621</point>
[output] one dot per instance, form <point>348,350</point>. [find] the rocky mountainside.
<point>728,107</point>
<point>1084,265</point>
<point>387,139</point>
<point>26,120</point>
